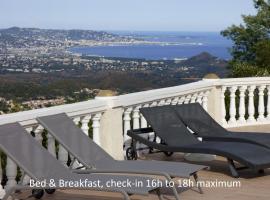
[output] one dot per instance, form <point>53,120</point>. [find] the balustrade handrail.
<point>163,93</point>
<point>27,118</point>
<point>242,81</point>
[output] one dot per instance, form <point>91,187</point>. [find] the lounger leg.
<point>160,197</point>
<point>176,195</point>
<point>233,168</point>
<point>169,178</point>
<point>195,176</point>
<point>134,147</point>
<point>125,195</point>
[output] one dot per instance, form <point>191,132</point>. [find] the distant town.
<point>41,60</point>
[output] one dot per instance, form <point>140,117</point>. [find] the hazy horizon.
<point>123,15</point>
<point>115,30</point>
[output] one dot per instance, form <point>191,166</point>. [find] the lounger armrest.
<point>97,171</point>
<point>135,134</point>
<point>140,131</point>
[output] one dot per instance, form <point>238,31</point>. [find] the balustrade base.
<point>261,119</point>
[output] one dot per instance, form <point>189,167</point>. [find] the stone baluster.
<point>168,101</point>
<point>251,109</point>
<point>127,126</point>
<point>38,133</point>
<point>193,98</point>
<point>51,144</point>
<point>205,100</point>
<point>143,120</point>
<point>200,97</point>
<point>11,173</point>
<point>268,102</point>
<point>232,110</point>
<point>175,100</point>
<point>77,120</point>
<point>261,103</point>
<point>181,100</point>
<point>153,104</point>
<point>136,117</point>
<point>242,107</point>
<point>161,103</point>
<point>29,129</point>
<point>187,99</point>
<point>85,122</point>
<point>223,108</point>
<point>96,128</point>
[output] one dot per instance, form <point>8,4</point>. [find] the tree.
<point>251,49</point>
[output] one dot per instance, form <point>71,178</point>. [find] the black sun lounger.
<point>87,152</point>
<point>40,165</point>
<point>203,125</point>
<point>177,138</point>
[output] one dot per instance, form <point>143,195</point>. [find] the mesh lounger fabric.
<point>90,154</point>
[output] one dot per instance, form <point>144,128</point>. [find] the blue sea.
<point>181,45</point>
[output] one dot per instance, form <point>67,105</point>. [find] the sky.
<point>129,15</point>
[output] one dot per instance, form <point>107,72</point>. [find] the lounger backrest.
<point>197,119</point>
<point>168,126</point>
<point>28,154</point>
<point>75,140</point>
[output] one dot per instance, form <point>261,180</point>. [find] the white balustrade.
<point>96,127</point>
<point>85,121</point>
<point>200,97</point>
<point>261,103</point>
<point>232,105</point>
<point>127,120</point>
<point>181,100</point>
<point>251,109</point>
<point>242,107</point>
<point>136,117</point>
<point>77,120</point>
<point>38,133</point>
<point>175,100</point>
<point>168,102</point>
<point>153,104</point>
<point>268,102</point>
<point>193,98</point>
<point>205,100</point>
<point>161,103</point>
<point>143,120</point>
<point>222,104</point>
<point>187,99</point>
